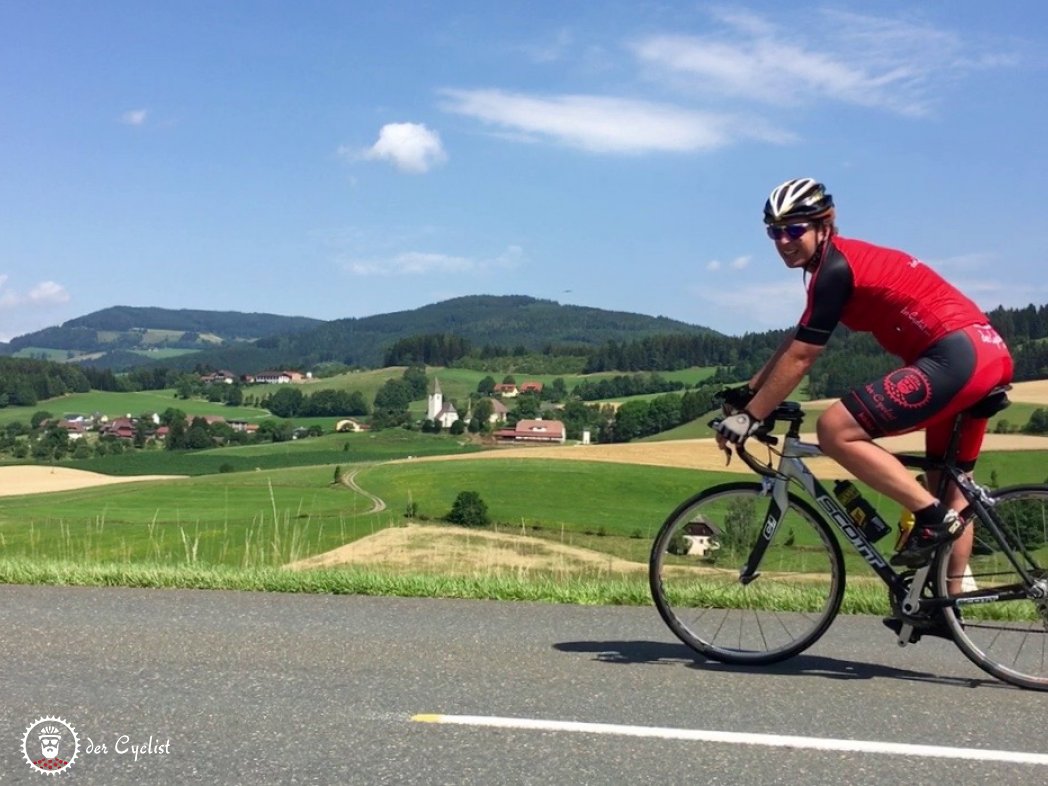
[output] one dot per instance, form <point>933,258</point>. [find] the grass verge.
<point>605,591</point>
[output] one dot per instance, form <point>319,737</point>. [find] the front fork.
<point>776,508</point>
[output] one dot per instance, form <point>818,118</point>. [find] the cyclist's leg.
<point>931,389</point>
<point>992,367</point>
<point>904,400</point>
<point>844,439</point>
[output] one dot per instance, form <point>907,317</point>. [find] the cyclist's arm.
<point>783,377</point>
<point>761,376</point>
<point>829,292</point>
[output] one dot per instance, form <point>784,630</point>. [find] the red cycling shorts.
<point>950,376</point>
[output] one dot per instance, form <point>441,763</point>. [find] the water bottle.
<point>907,520</point>
<point>861,512</point>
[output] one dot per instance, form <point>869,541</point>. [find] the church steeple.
<point>436,401</point>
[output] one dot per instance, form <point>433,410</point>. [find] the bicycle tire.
<point>994,622</point>
<point>779,614</point>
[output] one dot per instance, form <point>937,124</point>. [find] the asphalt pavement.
<point>216,687</point>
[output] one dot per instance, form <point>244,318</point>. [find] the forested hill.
<point>482,330</point>
<point>508,321</point>
<point>130,327</point>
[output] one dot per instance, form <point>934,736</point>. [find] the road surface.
<point>254,688</point>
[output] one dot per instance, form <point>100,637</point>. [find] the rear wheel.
<point>694,575</point>
<point>997,619</point>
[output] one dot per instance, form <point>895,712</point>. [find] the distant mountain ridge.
<point>484,320</point>
<point>252,342</point>
<point>126,328</point>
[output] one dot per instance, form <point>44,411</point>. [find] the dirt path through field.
<point>349,480</point>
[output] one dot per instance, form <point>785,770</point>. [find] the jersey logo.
<point>908,387</point>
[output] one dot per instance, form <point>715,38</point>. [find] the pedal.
<point>904,634</point>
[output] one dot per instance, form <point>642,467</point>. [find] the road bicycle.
<point>753,573</point>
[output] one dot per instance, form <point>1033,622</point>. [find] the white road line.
<point>741,738</point>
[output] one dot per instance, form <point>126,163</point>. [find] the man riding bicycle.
<point>951,358</point>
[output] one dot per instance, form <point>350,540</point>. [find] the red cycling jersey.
<point>905,304</point>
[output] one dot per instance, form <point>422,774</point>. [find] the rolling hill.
<point>122,337</point>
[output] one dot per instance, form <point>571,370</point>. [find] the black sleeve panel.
<point>828,293</point>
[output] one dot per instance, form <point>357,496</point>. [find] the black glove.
<point>736,399</point>
<point>736,428</point>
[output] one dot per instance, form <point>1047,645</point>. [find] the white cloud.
<point>409,263</point>
<point>891,64</point>
<point>411,147</point>
<point>48,292</point>
<point>993,292</point>
<point>608,125</point>
<point>419,263</point>
<point>976,260</point>
<point>44,293</point>
<point>28,308</point>
<point>134,117</point>
<point>739,263</point>
<point>752,306</point>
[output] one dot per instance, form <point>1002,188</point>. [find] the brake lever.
<point>726,447</point>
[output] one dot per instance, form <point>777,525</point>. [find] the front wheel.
<point>998,620</point>
<point>694,576</point>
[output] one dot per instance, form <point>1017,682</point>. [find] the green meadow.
<point>268,517</point>
<point>458,383</point>
<point>122,404</point>
<point>241,513</point>
<point>329,449</point>
<point>455,384</point>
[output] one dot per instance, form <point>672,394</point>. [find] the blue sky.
<point>341,159</point>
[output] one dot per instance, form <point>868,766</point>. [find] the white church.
<point>438,410</point>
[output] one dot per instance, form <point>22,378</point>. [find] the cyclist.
<point>951,358</point>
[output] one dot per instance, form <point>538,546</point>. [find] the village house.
<point>221,377</point>
<point>121,428</point>
<point>75,429</point>
<point>505,389</point>
<point>499,412</point>
<point>530,387</point>
<point>700,539</point>
<point>537,430</point>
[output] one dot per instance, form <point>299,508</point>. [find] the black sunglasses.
<point>792,231</point>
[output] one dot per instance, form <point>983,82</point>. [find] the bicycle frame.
<point>791,467</point>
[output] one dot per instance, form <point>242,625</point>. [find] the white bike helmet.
<point>800,199</point>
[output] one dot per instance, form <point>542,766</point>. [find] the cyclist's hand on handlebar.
<point>736,399</point>
<point>736,428</point>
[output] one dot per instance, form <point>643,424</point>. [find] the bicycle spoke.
<point>695,567</point>
<point>999,625</point>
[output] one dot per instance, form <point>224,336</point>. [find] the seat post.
<point>951,453</point>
